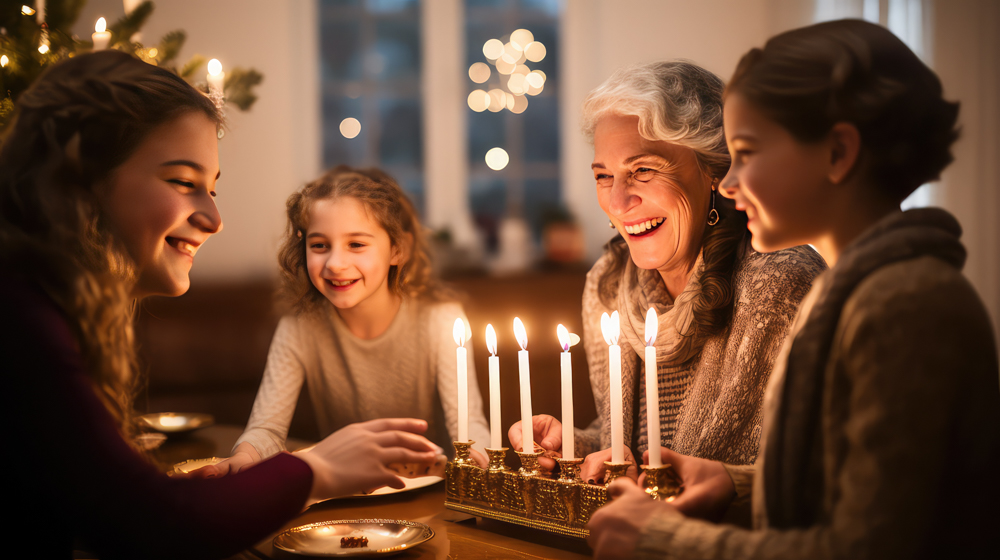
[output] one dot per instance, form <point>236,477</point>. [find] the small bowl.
<point>385,537</point>
<point>177,422</point>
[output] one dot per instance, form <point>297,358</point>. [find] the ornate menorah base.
<point>525,497</point>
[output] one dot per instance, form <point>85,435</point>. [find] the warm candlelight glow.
<point>3,61</point>
<point>458,332</point>
<point>520,334</point>
<point>651,325</point>
<point>564,340</point>
<point>350,127</point>
<point>43,48</point>
<point>491,339</point>
<point>172,421</point>
<point>102,25</point>
<point>479,72</point>
<point>479,100</point>
<point>534,52</point>
<point>27,10</point>
<point>610,327</point>
<point>521,38</point>
<point>214,66</point>
<point>493,49</point>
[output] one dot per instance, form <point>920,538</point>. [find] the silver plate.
<point>385,537</point>
<point>177,422</point>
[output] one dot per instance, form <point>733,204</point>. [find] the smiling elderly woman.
<point>723,309</point>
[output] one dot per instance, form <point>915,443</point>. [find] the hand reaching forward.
<point>708,489</point>
<point>244,456</point>
<point>593,470</point>
<point>355,458</point>
<point>548,434</point>
<point>614,529</point>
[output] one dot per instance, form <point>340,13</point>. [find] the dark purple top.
<point>76,478</point>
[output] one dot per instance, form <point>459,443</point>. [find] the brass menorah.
<point>531,498</point>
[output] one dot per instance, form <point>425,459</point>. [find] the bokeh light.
<point>521,38</point>
<point>535,79</point>
<point>479,100</point>
<point>350,127</point>
<point>505,67</point>
<point>516,84</point>
<point>3,61</point>
<point>520,104</point>
<point>534,52</point>
<point>497,158</point>
<point>479,72</point>
<point>498,100</point>
<point>493,49</point>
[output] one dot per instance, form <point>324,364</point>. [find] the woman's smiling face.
<point>655,193</point>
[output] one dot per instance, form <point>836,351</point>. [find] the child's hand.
<point>548,433</point>
<point>356,458</point>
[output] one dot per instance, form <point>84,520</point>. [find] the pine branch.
<point>170,46</point>
<point>130,24</point>
<point>192,66</point>
<point>239,87</point>
<point>60,15</point>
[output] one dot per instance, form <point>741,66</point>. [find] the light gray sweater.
<point>407,371</point>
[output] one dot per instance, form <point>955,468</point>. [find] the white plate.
<point>411,484</point>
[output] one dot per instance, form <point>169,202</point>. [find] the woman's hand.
<point>708,488</point>
<point>593,470</point>
<point>548,433</point>
<point>244,457</point>
<point>355,458</point>
<point>614,529</point>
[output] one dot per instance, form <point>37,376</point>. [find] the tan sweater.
<point>407,371</point>
<point>709,406</point>
<point>908,436</point>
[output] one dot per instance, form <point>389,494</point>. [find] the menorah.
<point>531,498</point>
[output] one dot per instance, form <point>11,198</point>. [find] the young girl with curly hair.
<point>370,330</point>
<point>107,183</point>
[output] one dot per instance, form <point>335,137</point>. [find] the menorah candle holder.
<point>615,471</point>
<point>662,483</point>
<point>525,497</point>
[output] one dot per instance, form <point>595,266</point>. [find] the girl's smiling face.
<point>781,183</point>
<point>654,192</point>
<point>348,254</point>
<point>160,202</point>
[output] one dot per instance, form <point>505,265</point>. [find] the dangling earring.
<point>713,214</point>
<point>611,224</point>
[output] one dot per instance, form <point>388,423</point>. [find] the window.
<point>370,56</point>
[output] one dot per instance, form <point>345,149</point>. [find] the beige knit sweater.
<point>407,371</point>
<point>710,406</point>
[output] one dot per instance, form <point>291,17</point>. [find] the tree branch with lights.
<point>36,36</point>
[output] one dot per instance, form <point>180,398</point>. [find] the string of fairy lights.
<point>516,81</point>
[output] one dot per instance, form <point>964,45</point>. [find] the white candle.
<point>611,330</point>
<point>130,5</point>
<point>652,391</point>
<point>216,77</point>
<point>495,423</point>
<point>40,11</point>
<point>524,375</point>
<point>462,362</point>
<point>101,36</point>
<point>566,370</point>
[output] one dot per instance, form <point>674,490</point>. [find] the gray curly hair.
<point>676,101</point>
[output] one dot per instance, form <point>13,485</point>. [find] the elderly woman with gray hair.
<point>723,308</point>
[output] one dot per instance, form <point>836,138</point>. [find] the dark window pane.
<point>541,130</point>
<point>540,196</point>
<point>486,131</point>
<point>547,7</point>
<point>341,51</point>
<point>412,181</point>
<point>486,3</point>
<point>390,6</point>
<point>400,139</point>
<point>488,198</point>
<point>547,34</point>
<point>397,51</point>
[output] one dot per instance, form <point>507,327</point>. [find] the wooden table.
<point>457,535</point>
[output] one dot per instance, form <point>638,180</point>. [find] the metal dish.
<point>185,467</point>
<point>385,537</point>
<point>177,422</point>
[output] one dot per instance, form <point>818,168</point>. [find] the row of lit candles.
<point>611,329</point>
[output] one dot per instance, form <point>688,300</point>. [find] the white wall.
<point>268,152</point>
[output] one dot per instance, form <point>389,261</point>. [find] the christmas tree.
<point>35,34</point>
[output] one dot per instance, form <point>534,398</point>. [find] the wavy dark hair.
<point>811,78</point>
<point>383,198</point>
<point>681,103</point>
<point>72,128</point>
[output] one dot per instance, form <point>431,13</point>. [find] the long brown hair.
<point>681,103</point>
<point>77,123</point>
<point>388,204</point>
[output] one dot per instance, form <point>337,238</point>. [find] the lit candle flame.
<point>610,327</point>
<point>520,334</point>
<point>564,339</point>
<point>27,10</point>
<point>214,66</point>
<point>3,60</point>
<point>102,25</point>
<point>491,339</point>
<point>459,332</point>
<point>651,325</point>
